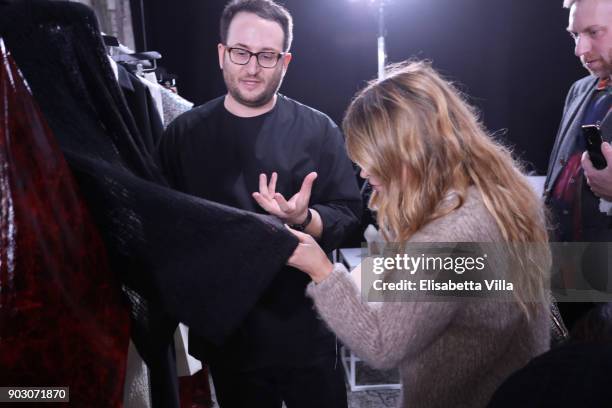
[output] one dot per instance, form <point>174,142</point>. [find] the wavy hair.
<point>415,132</point>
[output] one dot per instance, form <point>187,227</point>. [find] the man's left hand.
<point>600,181</point>
<point>293,211</point>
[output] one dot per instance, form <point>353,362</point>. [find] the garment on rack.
<point>62,319</point>
<point>137,379</point>
<point>150,81</point>
<point>144,110</point>
<point>174,253</point>
<point>174,105</point>
<point>142,106</point>
<point>136,389</point>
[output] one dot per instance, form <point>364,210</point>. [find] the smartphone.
<point>592,137</point>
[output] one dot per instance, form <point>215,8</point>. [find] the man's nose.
<point>252,66</point>
<point>363,174</point>
<point>583,45</point>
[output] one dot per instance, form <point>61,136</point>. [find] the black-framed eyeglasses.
<point>265,59</point>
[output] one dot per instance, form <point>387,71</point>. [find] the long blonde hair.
<point>414,131</point>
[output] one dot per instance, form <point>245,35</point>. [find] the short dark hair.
<point>266,9</point>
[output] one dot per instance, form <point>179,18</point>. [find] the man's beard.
<point>231,82</point>
<point>605,69</point>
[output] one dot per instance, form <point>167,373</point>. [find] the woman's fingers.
<point>304,238</point>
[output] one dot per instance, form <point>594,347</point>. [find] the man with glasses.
<point>260,151</point>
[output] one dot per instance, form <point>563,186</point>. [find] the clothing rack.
<point>145,61</point>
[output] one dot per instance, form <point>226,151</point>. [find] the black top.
<point>220,176</point>
<point>210,153</point>
<point>572,375</point>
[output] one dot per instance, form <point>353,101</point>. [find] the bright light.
<point>382,58</point>
<point>381,54</point>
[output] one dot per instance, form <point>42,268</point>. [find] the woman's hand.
<point>310,258</point>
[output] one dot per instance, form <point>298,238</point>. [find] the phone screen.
<point>592,138</point>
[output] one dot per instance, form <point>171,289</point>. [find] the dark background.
<point>514,58</point>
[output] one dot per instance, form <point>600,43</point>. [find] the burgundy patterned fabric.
<point>62,320</point>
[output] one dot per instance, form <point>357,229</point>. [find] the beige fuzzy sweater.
<point>450,354</point>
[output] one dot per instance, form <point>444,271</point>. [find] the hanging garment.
<point>179,257</point>
<point>143,107</point>
<point>144,111</point>
<point>174,105</point>
<point>136,389</point>
<point>62,319</point>
<point>169,104</point>
<point>150,81</point>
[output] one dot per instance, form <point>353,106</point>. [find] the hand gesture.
<point>293,211</point>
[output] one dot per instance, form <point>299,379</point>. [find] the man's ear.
<point>221,52</point>
<point>286,60</point>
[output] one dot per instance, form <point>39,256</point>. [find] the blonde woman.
<point>437,177</point>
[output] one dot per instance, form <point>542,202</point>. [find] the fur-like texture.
<point>450,354</point>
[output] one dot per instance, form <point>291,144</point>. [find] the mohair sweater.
<point>450,354</point>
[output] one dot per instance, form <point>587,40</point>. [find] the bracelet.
<point>302,226</point>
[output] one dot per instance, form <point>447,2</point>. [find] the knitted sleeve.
<point>382,335</point>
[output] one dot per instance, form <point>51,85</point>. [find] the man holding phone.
<point>579,184</point>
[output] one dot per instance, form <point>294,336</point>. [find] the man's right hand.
<point>293,211</point>
<point>600,181</point>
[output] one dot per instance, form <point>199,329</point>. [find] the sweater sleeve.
<point>382,335</point>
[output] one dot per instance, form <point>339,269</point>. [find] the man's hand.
<point>600,181</point>
<point>293,211</point>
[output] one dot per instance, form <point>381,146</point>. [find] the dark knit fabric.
<point>179,257</point>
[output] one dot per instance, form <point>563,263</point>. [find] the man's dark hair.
<point>266,9</point>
